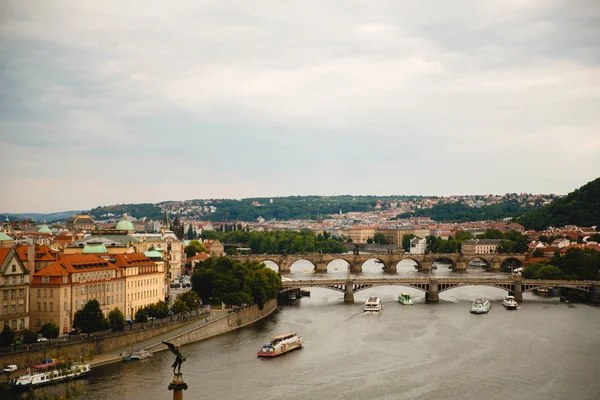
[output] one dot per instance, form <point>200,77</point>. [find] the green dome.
<point>125,225</point>
<point>94,248</point>
<point>153,254</point>
<point>44,229</point>
<point>4,237</point>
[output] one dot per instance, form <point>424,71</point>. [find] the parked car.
<point>42,339</point>
<point>9,368</point>
<point>74,332</point>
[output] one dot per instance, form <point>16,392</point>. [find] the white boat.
<point>405,299</point>
<point>373,303</point>
<point>510,303</point>
<point>481,306</point>
<point>281,344</point>
<point>138,355</point>
<point>43,374</point>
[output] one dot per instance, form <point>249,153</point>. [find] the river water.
<point>544,350</point>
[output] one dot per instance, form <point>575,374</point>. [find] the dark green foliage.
<point>29,336</point>
<point>574,264</point>
<point>438,245</point>
<point>406,241</point>
<point>580,207</point>
<point>151,211</point>
<point>538,253</point>
<point>194,248</point>
<point>141,315</point>
<point>179,307</point>
<point>90,318</point>
<point>49,330</point>
<point>7,336</point>
<point>191,300</point>
<point>191,233</point>
<point>542,271</point>
<point>379,238</point>
<point>460,212</point>
<point>116,320</point>
<point>235,283</point>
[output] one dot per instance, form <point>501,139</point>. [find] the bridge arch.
<point>338,265</point>
<point>422,289</point>
<point>417,265</point>
<point>477,259</point>
<point>444,260</point>
<point>449,286</point>
<point>531,288</point>
<point>379,263</point>
<point>271,264</point>
<point>510,261</point>
<point>295,267</point>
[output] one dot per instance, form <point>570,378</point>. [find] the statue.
<point>179,358</point>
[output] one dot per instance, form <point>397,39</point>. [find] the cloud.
<point>235,99</point>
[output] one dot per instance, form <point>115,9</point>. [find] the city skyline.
<point>118,103</point>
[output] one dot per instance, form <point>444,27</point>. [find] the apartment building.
<point>14,291</point>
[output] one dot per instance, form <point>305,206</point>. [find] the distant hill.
<point>151,211</point>
<point>460,212</point>
<point>580,207</point>
<point>39,217</point>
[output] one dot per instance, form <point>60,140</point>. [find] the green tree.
<point>491,234</point>
<point>7,336</point>
<point>379,238</point>
<point>538,253</point>
<point>116,320</point>
<point>49,330</point>
<point>90,318</point>
<point>179,307</point>
<point>549,272</point>
<point>29,336</point>
<point>191,233</point>
<point>141,315</point>
<point>193,248</point>
<point>231,251</point>
<point>406,241</point>
<point>162,310</point>
<point>191,300</point>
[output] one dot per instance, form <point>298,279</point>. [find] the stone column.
<point>355,265</point>
<point>349,293</point>
<point>433,294</point>
<point>178,386</point>
<point>518,290</point>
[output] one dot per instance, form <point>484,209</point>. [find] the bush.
<point>49,330</point>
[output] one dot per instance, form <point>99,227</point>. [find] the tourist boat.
<point>373,304</point>
<point>481,306</point>
<point>542,290</point>
<point>138,355</point>
<point>281,344</point>
<point>510,303</point>
<point>43,374</point>
<point>405,299</point>
<point>292,296</point>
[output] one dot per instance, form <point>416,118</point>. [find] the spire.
<point>166,221</point>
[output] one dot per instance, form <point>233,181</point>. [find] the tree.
<point>379,238</point>
<point>191,300</point>
<point>90,318</point>
<point>538,253</point>
<point>179,307</point>
<point>191,234</point>
<point>141,315</point>
<point>231,251</point>
<point>193,248</point>
<point>7,337</point>
<point>29,336</point>
<point>116,320</point>
<point>406,241</point>
<point>549,272</point>
<point>49,330</point>
<point>162,309</point>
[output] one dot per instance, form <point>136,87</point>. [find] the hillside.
<point>151,211</point>
<point>580,207</point>
<point>460,212</point>
<point>49,217</point>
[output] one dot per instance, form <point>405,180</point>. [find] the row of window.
<point>8,280</point>
<point>13,309</point>
<point>13,324</point>
<point>14,294</point>
<point>143,295</point>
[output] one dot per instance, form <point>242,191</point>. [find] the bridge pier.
<point>349,293</point>
<point>433,295</point>
<point>518,290</point>
<point>595,292</point>
<point>424,266</point>
<point>495,265</point>
<point>460,266</point>
<point>355,267</point>
<point>320,267</point>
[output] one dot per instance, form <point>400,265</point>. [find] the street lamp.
<point>433,267</point>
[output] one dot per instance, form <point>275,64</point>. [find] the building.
<point>395,235</point>
<point>144,281</point>
<point>361,234</point>
<point>65,286</point>
<point>480,246</point>
<point>418,245</point>
<point>214,247</point>
<point>14,290</point>
<point>80,222</point>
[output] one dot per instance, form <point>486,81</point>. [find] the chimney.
<point>31,261</point>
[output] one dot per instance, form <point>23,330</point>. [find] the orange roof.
<point>537,260</point>
<point>131,260</point>
<point>42,253</point>
<point>3,254</point>
<point>199,257</point>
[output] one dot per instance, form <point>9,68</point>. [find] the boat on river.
<point>404,298</point>
<point>47,373</point>
<point>373,304</point>
<point>510,303</point>
<point>281,344</point>
<point>481,306</point>
<point>139,354</point>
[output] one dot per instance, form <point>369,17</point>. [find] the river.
<point>545,350</point>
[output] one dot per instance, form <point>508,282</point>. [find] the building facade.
<point>14,291</point>
<point>480,246</point>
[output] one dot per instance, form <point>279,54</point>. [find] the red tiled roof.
<point>199,257</point>
<point>131,260</point>
<point>3,254</point>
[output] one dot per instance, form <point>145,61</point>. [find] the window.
<point>5,295</point>
<point>21,308</point>
<point>38,323</point>
<point>39,306</point>
<point>22,279</point>
<point>13,309</point>
<point>21,293</point>
<point>39,292</point>
<point>14,268</point>
<point>65,306</point>
<point>14,281</point>
<point>77,304</point>
<point>44,308</point>
<point>45,279</point>
<point>22,324</point>
<point>14,324</point>
<point>13,294</point>
<point>51,304</point>
<point>4,309</point>
<point>51,294</point>
<point>64,280</point>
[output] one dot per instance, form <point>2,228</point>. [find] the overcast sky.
<point>105,102</point>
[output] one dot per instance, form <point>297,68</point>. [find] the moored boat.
<point>281,344</point>
<point>481,306</point>
<point>510,303</point>
<point>404,298</point>
<point>138,355</point>
<point>43,374</point>
<point>373,303</point>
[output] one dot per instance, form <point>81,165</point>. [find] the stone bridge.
<point>388,261</point>
<point>432,287</point>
